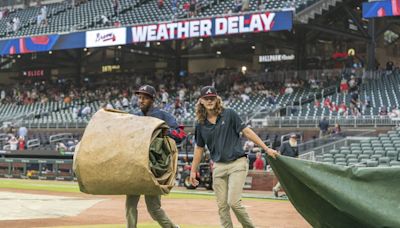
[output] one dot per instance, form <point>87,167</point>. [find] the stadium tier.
<point>62,17</point>
<point>381,92</point>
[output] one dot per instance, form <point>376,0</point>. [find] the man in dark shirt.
<point>323,127</point>
<point>219,129</point>
<point>289,149</point>
<point>146,95</point>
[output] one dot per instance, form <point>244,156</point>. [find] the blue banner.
<point>42,43</point>
<point>209,27</point>
<point>381,8</point>
<point>205,27</point>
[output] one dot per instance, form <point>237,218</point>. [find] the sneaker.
<point>275,193</point>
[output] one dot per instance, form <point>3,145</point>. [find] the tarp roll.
<point>112,157</point>
<point>338,196</point>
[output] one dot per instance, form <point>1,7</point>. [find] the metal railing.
<point>311,144</point>
<point>362,121</point>
<point>325,148</point>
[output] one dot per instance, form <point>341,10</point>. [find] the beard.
<point>293,143</point>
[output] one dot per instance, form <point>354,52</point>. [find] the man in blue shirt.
<point>219,129</point>
<point>146,95</point>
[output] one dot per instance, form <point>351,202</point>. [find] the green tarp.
<point>340,197</point>
<point>160,156</point>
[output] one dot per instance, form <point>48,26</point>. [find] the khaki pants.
<point>277,187</point>
<point>228,182</point>
<point>153,204</point>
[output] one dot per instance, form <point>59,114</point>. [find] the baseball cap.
<point>148,90</point>
<point>293,135</point>
<point>208,91</point>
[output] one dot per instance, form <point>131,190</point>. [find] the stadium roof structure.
<point>314,22</point>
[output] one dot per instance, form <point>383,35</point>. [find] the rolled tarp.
<point>338,196</point>
<point>119,152</point>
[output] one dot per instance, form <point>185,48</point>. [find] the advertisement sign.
<point>274,58</point>
<point>108,37</point>
<point>381,8</point>
<point>228,25</point>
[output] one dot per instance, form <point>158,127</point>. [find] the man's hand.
<point>273,153</point>
<point>193,179</point>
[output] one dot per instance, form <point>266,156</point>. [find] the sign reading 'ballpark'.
<point>250,23</point>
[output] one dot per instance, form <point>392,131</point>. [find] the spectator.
<point>9,27</point>
<point>125,103</point>
<point>323,127</point>
<point>336,129</point>
<point>344,87</point>
<point>21,143</point>
<point>289,90</point>
<point>383,111</point>
<point>367,101</point>
<point>13,143</point>
<point>342,109</point>
<point>245,5</point>
<point>327,103</point>
<point>192,8</point>
<point>334,107</point>
<point>238,6</point>
<point>23,132</point>
<point>160,4</point>
<point>317,103</point>
<point>86,111</point>
<point>16,24</point>
<point>248,146</point>
<point>116,7</point>
<point>389,67</point>
<point>164,96</point>
<point>353,84</point>
<point>61,148</point>
<point>259,163</point>
<point>289,149</point>
<point>105,20</point>
<point>395,112</point>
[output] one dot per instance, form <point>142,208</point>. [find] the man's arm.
<point>251,135</point>
<point>174,131</point>
<point>198,153</point>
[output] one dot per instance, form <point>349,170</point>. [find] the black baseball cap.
<point>148,90</point>
<point>208,91</point>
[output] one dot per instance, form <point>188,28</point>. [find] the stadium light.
<point>119,47</point>
<point>85,49</point>
<point>253,47</point>
<point>219,52</point>
<point>50,52</point>
<point>201,39</point>
<point>19,56</point>
<point>158,43</point>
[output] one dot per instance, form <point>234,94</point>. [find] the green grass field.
<point>72,187</point>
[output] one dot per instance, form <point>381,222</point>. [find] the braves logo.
<point>105,37</point>
<point>143,88</point>
<point>209,91</point>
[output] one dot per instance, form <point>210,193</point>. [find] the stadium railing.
<point>301,121</point>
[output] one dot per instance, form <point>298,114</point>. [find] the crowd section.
<point>176,95</point>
